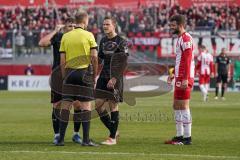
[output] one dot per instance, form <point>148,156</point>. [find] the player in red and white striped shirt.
<point>204,70</point>
<point>184,78</point>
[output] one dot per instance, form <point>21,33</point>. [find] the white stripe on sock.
<point>187,122</point>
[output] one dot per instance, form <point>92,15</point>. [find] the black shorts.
<point>222,78</point>
<point>56,86</point>
<point>103,92</point>
<point>55,97</point>
<point>78,85</point>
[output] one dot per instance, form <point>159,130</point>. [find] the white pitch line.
<point>128,154</point>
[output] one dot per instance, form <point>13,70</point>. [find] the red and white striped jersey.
<point>184,67</point>
<point>205,63</point>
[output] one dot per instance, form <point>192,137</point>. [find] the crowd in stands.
<point>29,24</point>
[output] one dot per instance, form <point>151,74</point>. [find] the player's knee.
<point>225,85</point>
<point>85,106</point>
<point>57,105</point>
<point>113,106</point>
<point>181,104</point>
<point>76,105</point>
<point>99,103</point>
<point>66,105</point>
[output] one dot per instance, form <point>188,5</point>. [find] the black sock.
<point>223,89</point>
<point>105,118</point>
<point>115,122</point>
<point>64,118</point>
<point>55,120</point>
<point>86,119</point>
<point>77,120</point>
<point>216,92</point>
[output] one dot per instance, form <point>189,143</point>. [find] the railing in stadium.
<point>155,45</point>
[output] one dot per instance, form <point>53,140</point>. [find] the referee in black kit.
<point>113,51</point>
<point>79,64</point>
<point>222,72</point>
<point>54,39</point>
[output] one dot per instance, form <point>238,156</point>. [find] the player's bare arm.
<point>216,70</point>
<point>170,76</point>
<point>111,82</point>
<point>46,40</point>
<point>188,57</point>
<point>63,63</point>
<point>211,69</point>
<point>94,59</point>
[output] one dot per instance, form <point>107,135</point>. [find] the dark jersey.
<point>108,48</point>
<point>222,62</point>
<point>55,42</point>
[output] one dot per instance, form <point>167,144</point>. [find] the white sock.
<point>187,122</point>
<point>58,134</point>
<point>203,89</point>
<point>74,133</point>
<point>207,87</point>
<point>179,123</point>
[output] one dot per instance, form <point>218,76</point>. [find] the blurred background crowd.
<point>28,25</point>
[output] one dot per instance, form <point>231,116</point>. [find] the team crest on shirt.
<point>110,47</point>
<point>187,45</point>
<point>178,84</point>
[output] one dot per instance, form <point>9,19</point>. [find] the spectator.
<point>32,21</point>
<point>19,42</point>
<point>29,70</point>
<point>29,42</point>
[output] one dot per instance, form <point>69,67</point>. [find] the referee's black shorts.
<point>222,78</point>
<point>78,85</point>
<point>55,97</point>
<point>102,92</point>
<point>56,86</point>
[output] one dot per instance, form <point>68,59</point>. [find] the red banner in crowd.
<point>21,2</point>
<point>114,3</point>
<point>165,45</point>
<point>46,2</point>
<point>19,69</point>
<point>189,3</point>
<point>109,3</point>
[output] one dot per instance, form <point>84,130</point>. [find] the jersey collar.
<point>182,34</point>
<point>78,27</point>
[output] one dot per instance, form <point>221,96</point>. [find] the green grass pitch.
<point>26,132</point>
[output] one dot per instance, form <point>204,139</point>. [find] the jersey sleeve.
<point>119,59</point>
<point>217,60</point>
<point>199,62</point>
<point>123,46</point>
<point>211,64</point>
<point>62,45</point>
<point>187,43</point>
<point>56,39</point>
<point>211,58</point>
<point>187,54</point>
<point>100,50</point>
<point>118,65</point>
<point>92,41</point>
<point>199,58</point>
<point>53,40</point>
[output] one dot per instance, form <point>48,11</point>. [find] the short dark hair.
<point>202,47</point>
<point>180,19</point>
<point>69,20</point>
<point>113,19</point>
<point>80,16</point>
